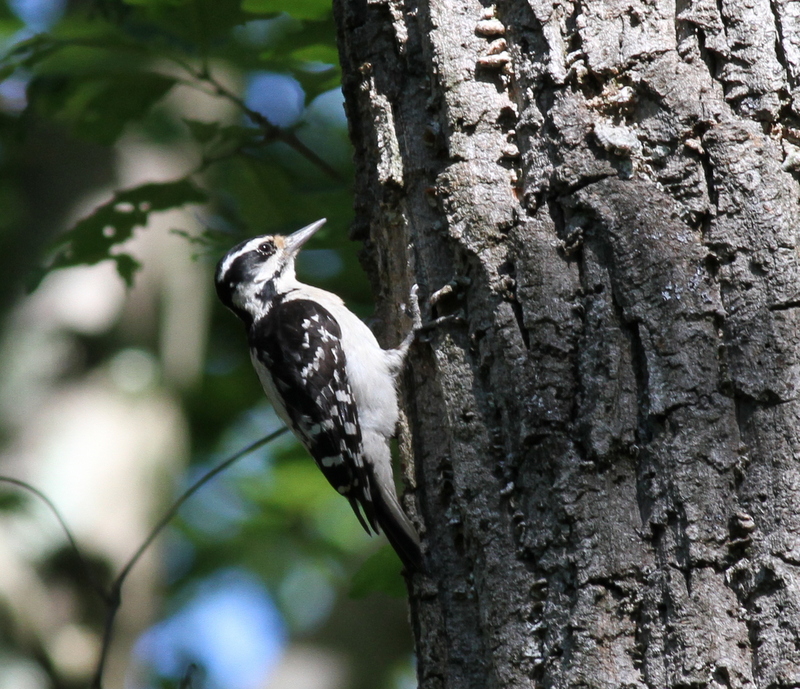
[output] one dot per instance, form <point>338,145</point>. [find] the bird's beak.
<point>295,241</point>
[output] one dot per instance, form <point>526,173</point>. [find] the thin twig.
<point>291,140</point>
<point>186,682</point>
<point>271,131</point>
<point>115,594</point>
<point>97,586</point>
<point>205,478</point>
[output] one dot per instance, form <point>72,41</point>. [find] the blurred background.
<point>139,139</point>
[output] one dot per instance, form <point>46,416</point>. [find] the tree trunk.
<point>602,200</point>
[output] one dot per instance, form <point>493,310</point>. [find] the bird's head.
<point>256,270</point>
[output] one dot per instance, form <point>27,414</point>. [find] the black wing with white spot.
<point>299,342</point>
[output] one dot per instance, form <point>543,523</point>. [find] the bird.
<point>326,375</point>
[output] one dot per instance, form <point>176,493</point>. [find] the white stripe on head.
<point>231,256</point>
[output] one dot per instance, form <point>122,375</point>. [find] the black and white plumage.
<point>326,375</point>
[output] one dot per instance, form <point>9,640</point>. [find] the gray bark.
<point>605,434</point>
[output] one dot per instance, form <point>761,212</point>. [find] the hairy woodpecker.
<point>326,375</point>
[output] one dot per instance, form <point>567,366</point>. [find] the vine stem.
<point>115,593</point>
<point>112,597</point>
<point>73,543</point>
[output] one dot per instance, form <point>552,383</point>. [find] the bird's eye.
<point>267,248</point>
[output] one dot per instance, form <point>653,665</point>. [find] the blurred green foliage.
<point>11,500</point>
<point>93,238</point>
<point>109,67</point>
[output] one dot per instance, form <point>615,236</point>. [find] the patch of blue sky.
<point>324,128</point>
<point>38,15</point>
<point>327,109</point>
<point>278,97</point>
<point>229,627</point>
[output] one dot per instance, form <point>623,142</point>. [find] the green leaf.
<point>321,52</point>
<point>93,238</point>
<point>202,132</point>
<point>225,139</point>
<point>380,572</point>
<point>207,239</point>
<point>11,500</point>
<point>156,3</point>
<point>295,485</point>
<point>301,9</point>
<point>127,266</point>
<point>6,71</point>
<point>315,83</point>
<point>6,13</point>
<point>9,25</point>
<point>97,106</point>
<point>29,52</point>
<point>198,22</point>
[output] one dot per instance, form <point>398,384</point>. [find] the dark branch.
<point>115,595</point>
<point>70,537</point>
<point>271,131</point>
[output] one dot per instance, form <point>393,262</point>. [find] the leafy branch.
<point>98,101</point>
<point>112,596</point>
<point>93,238</point>
<point>33,51</point>
<point>270,131</point>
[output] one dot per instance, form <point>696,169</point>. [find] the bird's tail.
<point>399,530</point>
<point>388,513</point>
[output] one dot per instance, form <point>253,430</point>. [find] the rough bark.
<point>603,198</point>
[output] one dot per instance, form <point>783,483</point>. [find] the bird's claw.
<point>413,307</point>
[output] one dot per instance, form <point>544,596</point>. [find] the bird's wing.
<point>299,343</point>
